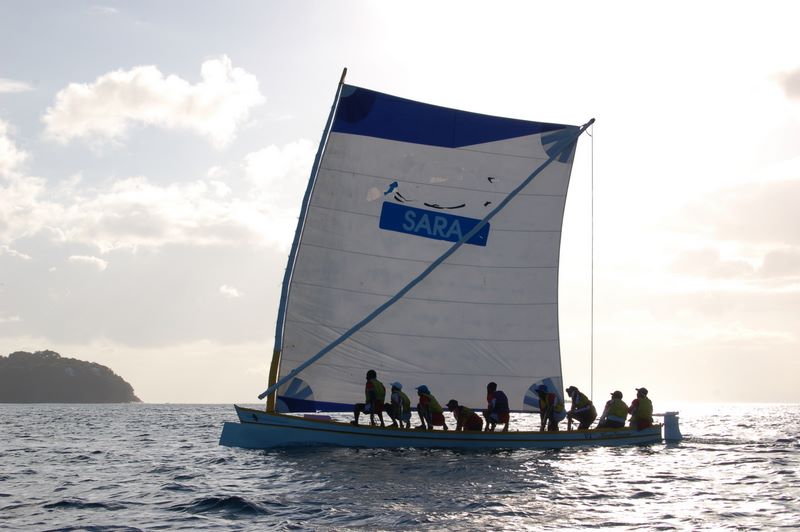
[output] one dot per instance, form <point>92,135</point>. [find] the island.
<point>47,377</point>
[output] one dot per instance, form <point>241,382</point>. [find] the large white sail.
<point>398,182</point>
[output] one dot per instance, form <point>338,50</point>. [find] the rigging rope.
<point>591,284</point>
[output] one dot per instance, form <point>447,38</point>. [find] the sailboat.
<point>427,249</point>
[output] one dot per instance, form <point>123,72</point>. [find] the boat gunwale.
<point>452,435</point>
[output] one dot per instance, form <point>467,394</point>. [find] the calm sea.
<point>156,467</point>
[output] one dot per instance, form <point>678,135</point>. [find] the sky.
<point>153,156</point>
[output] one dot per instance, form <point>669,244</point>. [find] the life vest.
<point>549,399</point>
<point>464,413</point>
<point>380,391</point>
<point>433,404</point>
<point>405,401</point>
<point>644,410</point>
<point>618,410</point>
<point>500,402</point>
<point>559,404</point>
<point>581,402</point>
<point>467,419</point>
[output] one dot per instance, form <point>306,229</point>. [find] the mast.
<point>287,275</point>
<point>560,147</point>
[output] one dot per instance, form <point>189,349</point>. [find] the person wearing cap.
<point>582,409</point>
<point>641,410</point>
<point>551,408</point>
<point>614,413</point>
<point>374,396</point>
<point>466,419</point>
<point>430,411</point>
<point>399,407</point>
<point>497,410</point>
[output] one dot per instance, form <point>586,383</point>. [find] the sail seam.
<point>410,298</point>
<point>403,259</point>
<point>495,228</point>
<point>436,185</point>
<point>459,148</point>
<point>416,335</point>
<point>447,373</point>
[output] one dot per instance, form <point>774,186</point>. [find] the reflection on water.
<point>159,466</point>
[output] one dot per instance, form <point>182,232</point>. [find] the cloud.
<point>104,10</point>
<point>11,85</point>
<point>790,82</point>
<point>6,250</point>
<point>107,108</point>
<point>781,263</point>
<point>98,263</point>
<point>11,157</point>
<point>135,212</point>
<point>707,262</point>
<point>9,319</point>
<point>280,172</point>
<point>779,270</point>
<point>229,291</point>
<point>756,213</point>
<point>278,177</point>
<point>22,212</point>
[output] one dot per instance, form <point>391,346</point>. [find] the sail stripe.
<point>373,114</point>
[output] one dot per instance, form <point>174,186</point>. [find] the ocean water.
<point>158,467</point>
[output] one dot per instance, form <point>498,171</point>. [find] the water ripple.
<point>155,467</point>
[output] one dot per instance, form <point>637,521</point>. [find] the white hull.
<point>262,430</point>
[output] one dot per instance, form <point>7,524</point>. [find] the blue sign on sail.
<point>431,224</point>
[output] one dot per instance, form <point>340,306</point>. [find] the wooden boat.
<point>427,249</point>
<point>258,429</point>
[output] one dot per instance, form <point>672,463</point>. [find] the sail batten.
<point>414,260</point>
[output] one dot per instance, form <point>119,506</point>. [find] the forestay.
<point>397,183</point>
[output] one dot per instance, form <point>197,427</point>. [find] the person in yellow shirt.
<point>581,410</point>
<point>614,413</point>
<point>551,408</point>
<point>641,410</point>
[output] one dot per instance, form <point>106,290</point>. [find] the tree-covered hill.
<point>47,377</point>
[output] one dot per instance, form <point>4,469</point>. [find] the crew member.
<point>641,410</point>
<point>399,407</point>
<point>497,410</point>
<point>429,410</point>
<point>551,408</point>
<point>466,419</point>
<point>614,413</point>
<point>374,396</point>
<point>582,409</point>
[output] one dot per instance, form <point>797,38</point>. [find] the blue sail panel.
<point>374,114</point>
